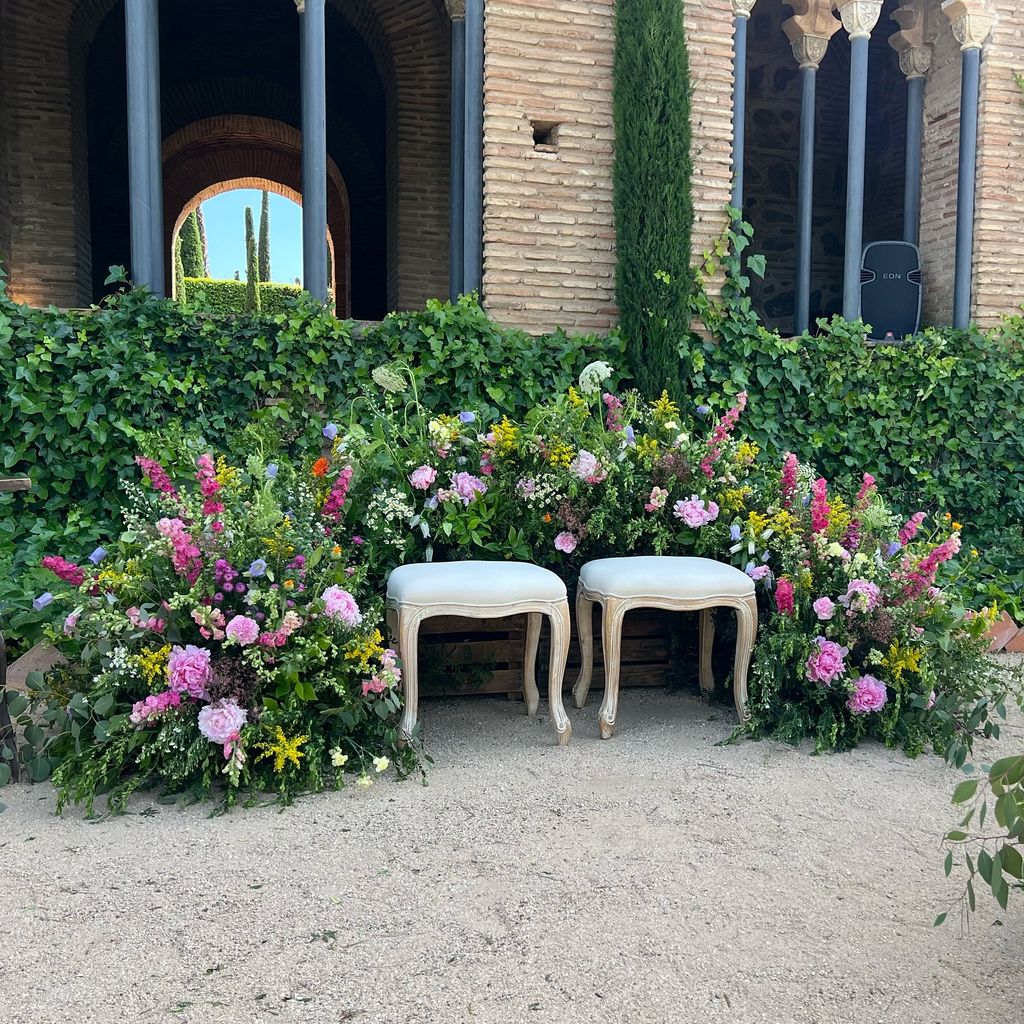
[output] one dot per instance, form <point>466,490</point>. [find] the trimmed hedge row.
<point>216,296</point>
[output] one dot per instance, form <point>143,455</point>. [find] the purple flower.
<point>42,601</point>
<point>467,417</point>
<point>271,471</point>
<point>893,548</point>
<point>98,555</point>
<point>735,532</point>
<point>258,567</point>
<point>631,437</point>
<point>703,410</point>
<point>330,431</point>
<point>757,572</point>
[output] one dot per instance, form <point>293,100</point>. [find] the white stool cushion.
<point>664,576</point>
<point>487,584</point>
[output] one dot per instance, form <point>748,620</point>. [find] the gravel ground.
<point>655,877</point>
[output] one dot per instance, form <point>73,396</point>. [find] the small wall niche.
<point>545,136</point>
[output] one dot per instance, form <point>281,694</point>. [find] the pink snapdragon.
<point>721,434</point>
<point>869,694</point>
<point>243,630</point>
<point>336,498</point>
<point>222,723</point>
<point>784,600</point>
<point>156,475</point>
<point>867,487</point>
<point>819,505</point>
<point>826,661</point>
<point>588,467</point>
<point>824,608</point>
<point>210,621</point>
<point>656,502</point>
<point>910,528</point>
<point>919,578</point>
<point>206,474</point>
<point>154,706</point>
<point>423,478</point>
<point>788,484</point>
<point>64,570</point>
<point>188,671</point>
<point>341,605</point>
<point>154,623</point>
<point>695,512</point>
<point>614,407</point>
<point>566,542</point>
<point>185,556</point>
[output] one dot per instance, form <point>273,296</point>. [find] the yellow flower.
<point>283,749</point>
<point>958,526</point>
<point>902,659</point>
<point>381,764</point>
<point>733,499</point>
<point>664,408</point>
<point>289,584</point>
<point>758,521</point>
<point>647,448</point>
<point>974,552</point>
<point>365,781</point>
<point>746,452</point>
<point>505,436</point>
<point>560,453</point>
<point>152,664</point>
<point>783,522</point>
<point>366,650</point>
<point>575,399</point>
<point>227,476</point>
<point>947,516</point>
<point>338,759</point>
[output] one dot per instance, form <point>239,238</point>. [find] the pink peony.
<point>340,604</point>
<point>423,478</point>
<point>824,608</point>
<point>222,723</point>
<point>757,572</point>
<point>566,542</point>
<point>860,596</point>
<point>784,596</point>
<point>868,695</point>
<point>696,512</point>
<point>826,662</point>
<point>466,487</point>
<point>188,671</point>
<point>587,467</point>
<point>242,630</point>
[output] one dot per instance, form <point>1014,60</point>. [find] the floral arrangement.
<point>222,639</point>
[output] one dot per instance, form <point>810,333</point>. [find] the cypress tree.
<point>653,206</point>
<point>179,272</point>
<point>252,270</point>
<point>191,247</point>
<point>264,248</point>
<point>201,224</point>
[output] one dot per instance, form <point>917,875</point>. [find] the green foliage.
<point>227,297</point>
<point>276,298</point>
<point>264,243</point>
<point>653,206</point>
<point>201,223</point>
<point>192,259</point>
<point>252,272</point>
<point>179,271</point>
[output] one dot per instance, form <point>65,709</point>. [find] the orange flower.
<point>320,466</point>
<point>547,517</point>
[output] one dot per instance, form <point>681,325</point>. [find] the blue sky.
<point>225,234</point>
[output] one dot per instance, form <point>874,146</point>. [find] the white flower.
<point>593,376</point>
<point>388,379</point>
<point>381,764</point>
<point>365,781</point>
<point>338,759</point>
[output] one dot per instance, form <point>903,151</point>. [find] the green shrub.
<point>653,206</point>
<point>275,298</point>
<point>192,257</point>
<point>263,255</point>
<point>226,297</point>
<point>252,270</point>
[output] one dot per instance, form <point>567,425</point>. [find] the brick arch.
<point>211,156</point>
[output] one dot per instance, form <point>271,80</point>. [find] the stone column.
<point>913,43</point>
<point>808,31</point>
<point>472,278</point>
<point>145,190</point>
<point>313,83</point>
<point>972,21</point>
<point>859,18</point>
<point>457,168</point>
<point>741,15</point>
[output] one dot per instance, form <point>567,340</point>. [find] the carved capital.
<point>300,6</point>
<point>915,61</point>
<point>456,9</point>
<point>914,40</point>
<point>742,8</point>
<point>810,29</point>
<point>972,21</point>
<point>859,16</point>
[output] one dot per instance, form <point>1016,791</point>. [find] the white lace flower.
<point>388,379</point>
<point>593,376</point>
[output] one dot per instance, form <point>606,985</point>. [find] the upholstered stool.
<point>678,584</point>
<point>482,590</point>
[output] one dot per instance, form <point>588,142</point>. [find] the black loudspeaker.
<point>890,289</point>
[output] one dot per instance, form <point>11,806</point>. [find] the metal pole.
<point>739,105</point>
<point>474,168</point>
<point>156,156</point>
<point>136,33</point>
<point>314,148</point>
<point>970,75</point>
<point>855,176</point>
<point>912,167</point>
<point>805,201</point>
<point>457,173</point>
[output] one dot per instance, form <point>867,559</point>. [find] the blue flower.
<point>111,597</point>
<point>331,431</point>
<point>42,601</point>
<point>271,472</point>
<point>735,532</point>
<point>467,417</point>
<point>98,555</point>
<point>806,500</point>
<point>703,410</point>
<point>631,436</point>
<point>258,567</point>
<point>431,502</point>
<point>893,548</point>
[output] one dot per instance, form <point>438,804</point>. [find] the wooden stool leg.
<point>530,693</point>
<point>611,634</point>
<point>707,642</point>
<point>408,636</point>
<point>746,632</point>
<point>561,630</point>
<point>391,619</point>
<point>585,629</point>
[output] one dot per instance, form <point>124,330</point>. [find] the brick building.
<point>456,143</point>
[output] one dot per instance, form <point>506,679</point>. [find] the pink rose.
<point>868,695</point>
<point>827,662</point>
<point>423,478</point>
<point>824,608</point>
<point>222,723</point>
<point>566,542</point>
<point>340,604</point>
<point>695,512</point>
<point>243,630</point>
<point>188,671</point>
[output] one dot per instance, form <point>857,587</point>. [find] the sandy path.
<point>652,878</point>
